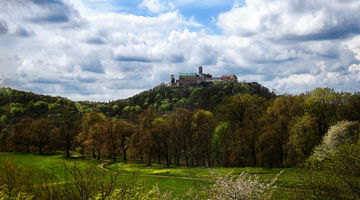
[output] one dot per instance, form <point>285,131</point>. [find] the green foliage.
<point>165,106</point>
<point>16,109</point>
<point>303,138</point>
<point>53,107</point>
<point>137,192</point>
<point>243,112</point>
<point>20,195</point>
<point>327,106</point>
<point>3,120</point>
<point>225,123</point>
<point>14,181</point>
<point>165,99</point>
<point>41,107</point>
<point>220,133</point>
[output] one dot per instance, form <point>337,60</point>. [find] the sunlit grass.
<point>177,180</point>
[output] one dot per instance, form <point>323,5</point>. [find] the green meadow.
<point>177,180</point>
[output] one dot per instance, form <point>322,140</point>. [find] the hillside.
<point>17,104</point>
<point>164,99</point>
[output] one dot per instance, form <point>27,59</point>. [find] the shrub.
<point>342,133</point>
<point>244,186</point>
<point>335,164</point>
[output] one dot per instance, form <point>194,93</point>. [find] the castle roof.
<point>188,74</point>
<point>229,76</point>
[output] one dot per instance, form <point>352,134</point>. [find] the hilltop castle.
<point>198,79</point>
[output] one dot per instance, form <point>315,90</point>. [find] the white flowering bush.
<point>242,187</point>
<point>343,132</point>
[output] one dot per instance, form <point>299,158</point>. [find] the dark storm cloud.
<point>95,40</point>
<point>86,80</point>
<point>47,2</point>
<point>53,11</point>
<point>22,32</point>
<point>47,81</point>
<point>3,27</point>
<point>93,65</point>
<point>56,17</point>
<point>176,58</point>
<point>135,59</point>
<point>341,32</point>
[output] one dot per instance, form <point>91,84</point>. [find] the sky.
<point>102,50</point>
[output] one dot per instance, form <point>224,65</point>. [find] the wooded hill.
<point>223,124</point>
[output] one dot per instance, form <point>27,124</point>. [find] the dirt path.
<point>105,162</point>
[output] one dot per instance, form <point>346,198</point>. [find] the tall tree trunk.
<point>186,153</point>
<point>149,159</point>
<point>177,160</point>
<point>114,156</point>
<point>159,158</point>
<point>167,159</point>
<point>67,151</point>
<point>124,154</point>
<point>98,155</point>
<point>253,146</point>
<point>67,144</point>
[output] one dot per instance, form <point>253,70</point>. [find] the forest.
<point>226,124</point>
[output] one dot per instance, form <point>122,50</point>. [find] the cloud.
<point>293,20</point>
<point>354,68</point>
<point>3,27</point>
<point>51,11</point>
<point>156,6</point>
<point>86,54</point>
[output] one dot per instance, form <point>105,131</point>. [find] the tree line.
<point>241,130</point>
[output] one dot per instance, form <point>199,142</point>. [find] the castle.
<point>198,79</point>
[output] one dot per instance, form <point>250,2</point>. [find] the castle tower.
<point>172,78</point>
<point>200,70</point>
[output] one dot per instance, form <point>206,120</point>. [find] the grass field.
<point>177,180</point>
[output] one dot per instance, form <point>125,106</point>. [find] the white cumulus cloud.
<point>64,47</point>
<point>156,6</point>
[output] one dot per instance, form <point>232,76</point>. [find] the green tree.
<point>119,137</point>
<point>327,106</point>
<point>162,135</point>
<point>303,139</point>
<point>202,126</point>
<point>218,145</point>
<point>95,127</point>
<point>67,120</point>
<point>14,181</point>
<point>278,118</point>
<point>21,134</point>
<point>40,130</point>
<point>41,107</point>
<point>143,140</point>
<point>243,112</point>
<point>181,135</point>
